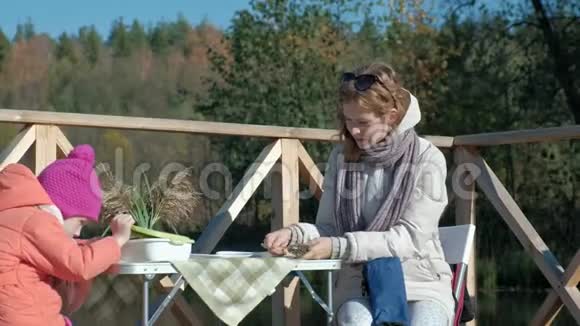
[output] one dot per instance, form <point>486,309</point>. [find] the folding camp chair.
<point>457,242</point>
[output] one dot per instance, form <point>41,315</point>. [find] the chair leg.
<point>458,291</point>
<point>460,280</point>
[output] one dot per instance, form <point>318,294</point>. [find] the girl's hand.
<point>276,242</point>
<point>320,248</point>
<point>121,228</point>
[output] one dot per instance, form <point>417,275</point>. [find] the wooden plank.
<point>524,231</point>
<point>45,148</point>
<point>570,296</point>
<point>167,125</point>
<point>519,136</point>
<point>440,141</point>
<point>514,217</point>
<point>572,273</point>
<point>18,146</point>
<point>63,143</point>
<point>285,186</point>
<point>464,184</point>
<point>285,203</point>
<point>167,283</point>
<point>242,193</point>
<point>309,172</point>
<point>553,304</point>
<point>286,304</point>
<point>548,311</point>
<point>570,282</point>
<point>180,126</point>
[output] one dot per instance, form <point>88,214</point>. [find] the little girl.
<point>38,219</point>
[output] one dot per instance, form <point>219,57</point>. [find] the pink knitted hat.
<point>73,185</point>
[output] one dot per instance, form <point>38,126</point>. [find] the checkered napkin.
<point>233,286</point>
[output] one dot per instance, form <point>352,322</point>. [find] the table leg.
<point>145,317</point>
<point>176,287</point>
<point>330,316</point>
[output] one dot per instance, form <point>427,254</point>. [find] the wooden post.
<point>229,211</point>
<point>45,148</point>
<point>519,224</point>
<point>62,142</point>
<point>309,172</point>
<point>18,146</point>
<point>548,310</point>
<point>285,201</point>
<point>553,303</point>
<point>464,186</point>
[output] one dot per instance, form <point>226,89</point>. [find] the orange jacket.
<point>35,251</point>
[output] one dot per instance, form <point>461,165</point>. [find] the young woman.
<point>384,193</point>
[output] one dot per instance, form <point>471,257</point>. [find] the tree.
<point>119,40</point>
<point>90,41</point>
<point>24,31</point>
<point>4,48</point>
<point>165,35</point>
<point>65,48</point>
<point>564,60</point>
<point>281,70</point>
<point>179,30</point>
<point>137,35</point>
<point>159,38</point>
<point>29,29</point>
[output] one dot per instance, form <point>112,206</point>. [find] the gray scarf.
<point>398,153</point>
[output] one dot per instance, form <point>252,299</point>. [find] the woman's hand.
<point>276,242</point>
<point>320,248</point>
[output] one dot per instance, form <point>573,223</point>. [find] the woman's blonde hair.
<point>380,98</point>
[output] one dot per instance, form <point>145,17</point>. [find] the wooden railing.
<point>286,154</point>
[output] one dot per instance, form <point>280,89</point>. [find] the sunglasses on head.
<point>361,82</point>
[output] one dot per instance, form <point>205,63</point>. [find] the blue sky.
<point>57,16</point>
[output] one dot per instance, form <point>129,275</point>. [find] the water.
<point>515,308</point>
